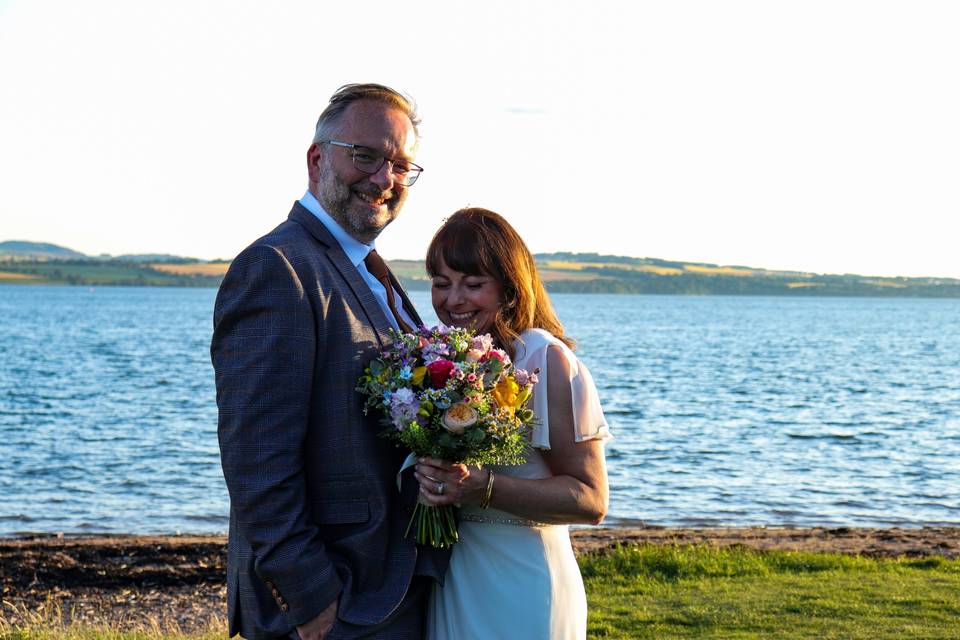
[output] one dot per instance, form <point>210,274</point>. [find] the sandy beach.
<point>178,581</point>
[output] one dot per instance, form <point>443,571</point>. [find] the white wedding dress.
<point>510,577</point>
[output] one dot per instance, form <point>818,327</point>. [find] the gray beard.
<point>336,199</point>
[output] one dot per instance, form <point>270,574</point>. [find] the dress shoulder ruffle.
<point>588,418</point>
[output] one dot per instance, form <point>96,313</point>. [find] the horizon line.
<point>542,253</point>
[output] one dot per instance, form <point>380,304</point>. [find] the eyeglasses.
<point>368,160</point>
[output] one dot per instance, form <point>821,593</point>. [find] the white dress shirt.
<point>357,252</point>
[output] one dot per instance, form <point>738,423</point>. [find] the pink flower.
<point>482,343</point>
<point>524,377</point>
<point>498,354</point>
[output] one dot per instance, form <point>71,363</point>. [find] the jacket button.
<point>275,593</point>
<point>269,584</point>
<point>284,607</point>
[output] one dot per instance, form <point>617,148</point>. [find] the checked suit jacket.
<point>315,513</point>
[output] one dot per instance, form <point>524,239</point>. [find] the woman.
<point>513,573</point>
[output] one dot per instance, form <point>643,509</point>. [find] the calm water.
<point>725,410</point>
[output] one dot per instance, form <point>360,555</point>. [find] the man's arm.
<point>263,352</point>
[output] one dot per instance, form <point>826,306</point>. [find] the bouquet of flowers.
<point>447,393</point>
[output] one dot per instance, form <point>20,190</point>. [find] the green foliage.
<point>702,592</point>
<point>672,563</point>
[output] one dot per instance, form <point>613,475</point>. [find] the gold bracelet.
<point>486,499</point>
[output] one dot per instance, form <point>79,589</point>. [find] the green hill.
<point>25,250</point>
<point>596,273</point>
<point>38,263</point>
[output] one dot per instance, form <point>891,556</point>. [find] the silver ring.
<point>440,487</point>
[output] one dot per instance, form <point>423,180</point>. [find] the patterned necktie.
<point>378,269</point>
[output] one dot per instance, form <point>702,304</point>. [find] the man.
<point>316,543</point>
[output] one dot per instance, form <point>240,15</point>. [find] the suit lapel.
<point>347,270</point>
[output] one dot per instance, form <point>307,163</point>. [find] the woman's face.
<point>462,300</point>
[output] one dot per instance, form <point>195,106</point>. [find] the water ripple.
<point>725,410</point>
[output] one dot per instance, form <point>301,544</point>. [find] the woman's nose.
<point>456,296</point>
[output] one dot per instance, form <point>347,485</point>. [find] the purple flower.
<point>403,408</point>
<point>435,351</point>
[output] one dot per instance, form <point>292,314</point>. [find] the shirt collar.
<point>354,249</point>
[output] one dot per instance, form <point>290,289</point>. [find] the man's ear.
<point>314,162</point>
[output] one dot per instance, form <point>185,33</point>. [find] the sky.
<point>816,136</point>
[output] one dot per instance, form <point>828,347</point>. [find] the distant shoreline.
<point>562,273</point>
<point>552,288</point>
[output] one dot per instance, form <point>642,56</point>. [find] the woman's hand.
<point>445,483</point>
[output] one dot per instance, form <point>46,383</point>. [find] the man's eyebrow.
<point>381,153</point>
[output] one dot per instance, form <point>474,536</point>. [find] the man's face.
<point>363,204</point>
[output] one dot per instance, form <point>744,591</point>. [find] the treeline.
<point>696,284</point>
<point>564,273</point>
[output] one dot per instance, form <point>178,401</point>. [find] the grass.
<point>10,275</point>
<point>701,592</point>
<point>192,268</point>
<point>568,265</point>
<point>50,622</point>
<point>651,591</point>
<point>724,271</point>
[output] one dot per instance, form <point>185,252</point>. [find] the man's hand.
<point>319,627</point>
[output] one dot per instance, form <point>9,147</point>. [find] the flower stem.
<point>433,526</point>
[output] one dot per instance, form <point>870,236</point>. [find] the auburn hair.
<point>478,241</point>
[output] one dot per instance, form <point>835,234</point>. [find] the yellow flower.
<point>418,373</point>
<point>507,393</point>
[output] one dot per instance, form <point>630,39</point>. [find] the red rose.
<point>440,371</point>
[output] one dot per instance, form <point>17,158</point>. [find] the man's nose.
<point>383,177</point>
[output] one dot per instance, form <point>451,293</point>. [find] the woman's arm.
<point>577,493</point>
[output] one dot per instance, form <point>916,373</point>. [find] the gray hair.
<point>350,93</point>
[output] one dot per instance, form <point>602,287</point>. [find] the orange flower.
<point>458,417</point>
